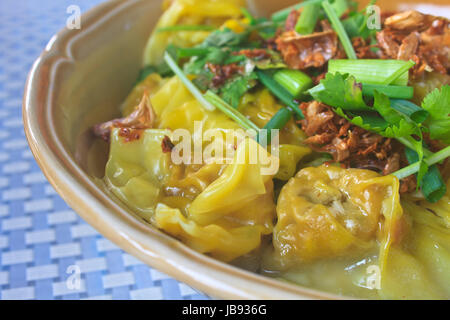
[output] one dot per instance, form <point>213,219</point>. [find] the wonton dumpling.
<point>242,182</point>
<point>328,212</point>
<point>223,243</point>
<point>420,269</point>
<point>151,84</point>
<point>229,217</point>
<point>136,170</point>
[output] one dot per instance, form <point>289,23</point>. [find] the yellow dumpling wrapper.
<point>222,243</point>
<point>228,218</point>
<point>151,84</point>
<point>419,268</point>
<point>289,156</point>
<point>176,108</point>
<point>136,170</point>
<point>242,182</point>
<point>261,106</point>
<point>329,212</point>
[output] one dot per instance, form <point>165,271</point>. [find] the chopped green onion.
<point>339,28</point>
<point>187,83</point>
<point>186,28</point>
<point>370,71</point>
<point>432,185</point>
<point>231,112</point>
<point>248,16</point>
<point>414,112</point>
<point>280,92</point>
<point>340,7</point>
<point>410,143</point>
<point>294,81</point>
<point>308,19</point>
<point>284,13</point>
<point>400,71</point>
<point>278,121</point>
<point>414,168</point>
<point>396,92</point>
<point>191,52</point>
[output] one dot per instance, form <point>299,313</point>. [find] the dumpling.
<point>136,170</point>
<point>329,212</point>
<point>223,243</point>
<point>418,267</point>
<point>238,207</point>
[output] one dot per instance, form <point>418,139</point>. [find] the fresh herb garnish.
<point>437,104</point>
<point>235,89</point>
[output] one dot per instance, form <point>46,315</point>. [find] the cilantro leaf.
<point>340,91</point>
<point>399,124</point>
<point>235,89</point>
<point>225,38</point>
<point>437,104</point>
<point>196,64</point>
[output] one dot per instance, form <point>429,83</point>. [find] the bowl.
<point>80,79</point>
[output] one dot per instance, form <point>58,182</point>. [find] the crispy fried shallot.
<point>348,144</point>
<point>425,39</point>
<point>141,118</point>
<point>305,51</point>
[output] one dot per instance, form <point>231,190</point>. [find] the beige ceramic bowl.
<point>79,80</point>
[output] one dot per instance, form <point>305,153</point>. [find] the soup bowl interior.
<point>79,80</point>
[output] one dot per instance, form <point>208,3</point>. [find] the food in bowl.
<point>311,146</point>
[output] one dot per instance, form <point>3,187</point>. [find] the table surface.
<point>46,250</point>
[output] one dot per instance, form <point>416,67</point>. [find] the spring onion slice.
<point>395,92</point>
<point>294,81</point>
<point>191,52</point>
<point>370,71</point>
<point>308,19</point>
<point>414,168</point>
<point>231,112</point>
<point>284,13</point>
<point>280,92</point>
<point>339,28</point>
<point>432,185</point>
<point>248,16</point>
<point>340,7</point>
<point>397,73</point>
<point>187,83</point>
<point>413,111</point>
<point>278,121</point>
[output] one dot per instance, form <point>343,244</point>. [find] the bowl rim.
<point>151,246</point>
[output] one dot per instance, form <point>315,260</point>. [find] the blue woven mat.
<point>41,238</point>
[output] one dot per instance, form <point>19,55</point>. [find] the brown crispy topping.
<point>291,20</point>
<point>352,146</point>
<point>223,73</point>
<point>167,145</point>
<point>130,134</point>
<point>253,53</point>
<point>304,51</point>
<point>408,21</point>
<point>362,49</point>
<point>422,38</point>
<point>141,118</point>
